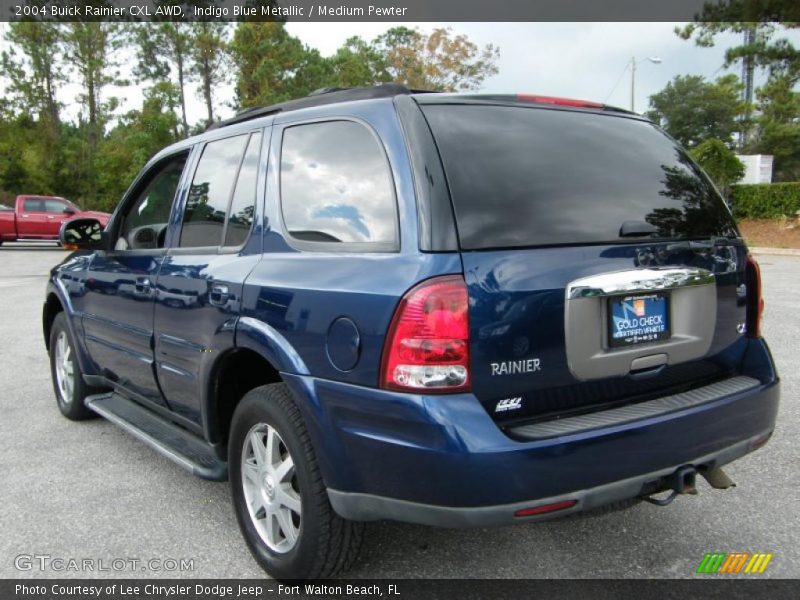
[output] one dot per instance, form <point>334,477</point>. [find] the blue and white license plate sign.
<point>638,319</point>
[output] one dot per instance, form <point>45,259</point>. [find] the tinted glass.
<point>528,176</point>
<point>33,205</point>
<point>145,223</point>
<point>55,206</point>
<point>240,216</point>
<point>210,192</point>
<point>335,184</point>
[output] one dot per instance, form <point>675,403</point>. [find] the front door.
<point>120,283</point>
<point>56,216</point>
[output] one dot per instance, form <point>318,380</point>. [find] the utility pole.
<point>748,69</point>
<point>653,59</point>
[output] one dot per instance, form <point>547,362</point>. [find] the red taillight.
<point>545,508</point>
<point>558,101</point>
<point>755,302</point>
<point>427,346</point>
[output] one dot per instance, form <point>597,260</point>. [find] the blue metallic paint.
<point>118,319</point>
<point>395,445</point>
<point>191,331</point>
<point>368,440</point>
<point>517,312</point>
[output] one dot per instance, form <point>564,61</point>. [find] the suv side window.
<point>214,188</point>
<point>144,225</point>
<point>243,203</point>
<point>336,186</point>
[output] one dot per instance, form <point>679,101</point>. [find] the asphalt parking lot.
<point>90,491</point>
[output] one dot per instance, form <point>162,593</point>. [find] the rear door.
<point>199,287</point>
<point>602,266</point>
<point>32,219</point>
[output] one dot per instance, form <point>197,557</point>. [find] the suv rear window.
<point>524,176</point>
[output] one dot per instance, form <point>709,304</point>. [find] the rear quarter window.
<point>523,176</point>
<point>336,187</point>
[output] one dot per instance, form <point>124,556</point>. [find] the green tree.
<point>766,21</point>
<point>91,48</point>
<point>34,76</point>
<point>778,127</point>
<point>209,59</point>
<point>22,156</point>
<point>31,67</point>
<point>777,117</point>
<point>693,110</point>
<point>720,163</point>
<point>358,63</point>
<point>133,141</point>
<point>437,61</point>
<point>274,66</point>
<point>163,51</point>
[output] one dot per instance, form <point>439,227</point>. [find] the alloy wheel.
<point>270,488</point>
<point>65,368</point>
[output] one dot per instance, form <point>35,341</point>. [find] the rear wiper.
<point>695,245</point>
<point>637,229</point>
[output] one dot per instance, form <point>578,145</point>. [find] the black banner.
<point>398,10</point>
<point>404,589</point>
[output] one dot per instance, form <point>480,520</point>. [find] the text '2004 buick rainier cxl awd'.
<point>455,310</point>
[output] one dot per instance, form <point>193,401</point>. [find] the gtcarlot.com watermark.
<point>61,564</point>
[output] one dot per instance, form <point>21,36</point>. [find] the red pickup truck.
<point>40,218</point>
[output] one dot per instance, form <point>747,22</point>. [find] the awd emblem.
<point>508,404</point>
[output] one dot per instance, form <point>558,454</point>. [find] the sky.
<point>589,61</point>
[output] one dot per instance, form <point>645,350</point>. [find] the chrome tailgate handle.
<point>638,280</point>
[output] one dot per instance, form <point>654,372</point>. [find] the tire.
<point>68,382</point>
<point>312,543</point>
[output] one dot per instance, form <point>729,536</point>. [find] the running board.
<point>179,445</point>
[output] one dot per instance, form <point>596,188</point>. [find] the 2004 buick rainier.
<point>454,310</point>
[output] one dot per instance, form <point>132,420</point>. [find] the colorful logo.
<point>734,563</point>
<point>638,307</point>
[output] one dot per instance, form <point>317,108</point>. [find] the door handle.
<point>143,285</point>
<point>219,294</point>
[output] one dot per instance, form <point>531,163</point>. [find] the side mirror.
<point>81,234</point>
<point>68,210</point>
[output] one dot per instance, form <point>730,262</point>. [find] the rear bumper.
<point>366,507</point>
<point>441,460</point>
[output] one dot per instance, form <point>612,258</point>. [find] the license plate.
<point>638,319</point>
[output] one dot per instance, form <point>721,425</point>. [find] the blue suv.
<point>455,310</point>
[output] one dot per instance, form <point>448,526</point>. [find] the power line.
<point>621,75</point>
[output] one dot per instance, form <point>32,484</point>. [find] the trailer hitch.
<point>682,481</point>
